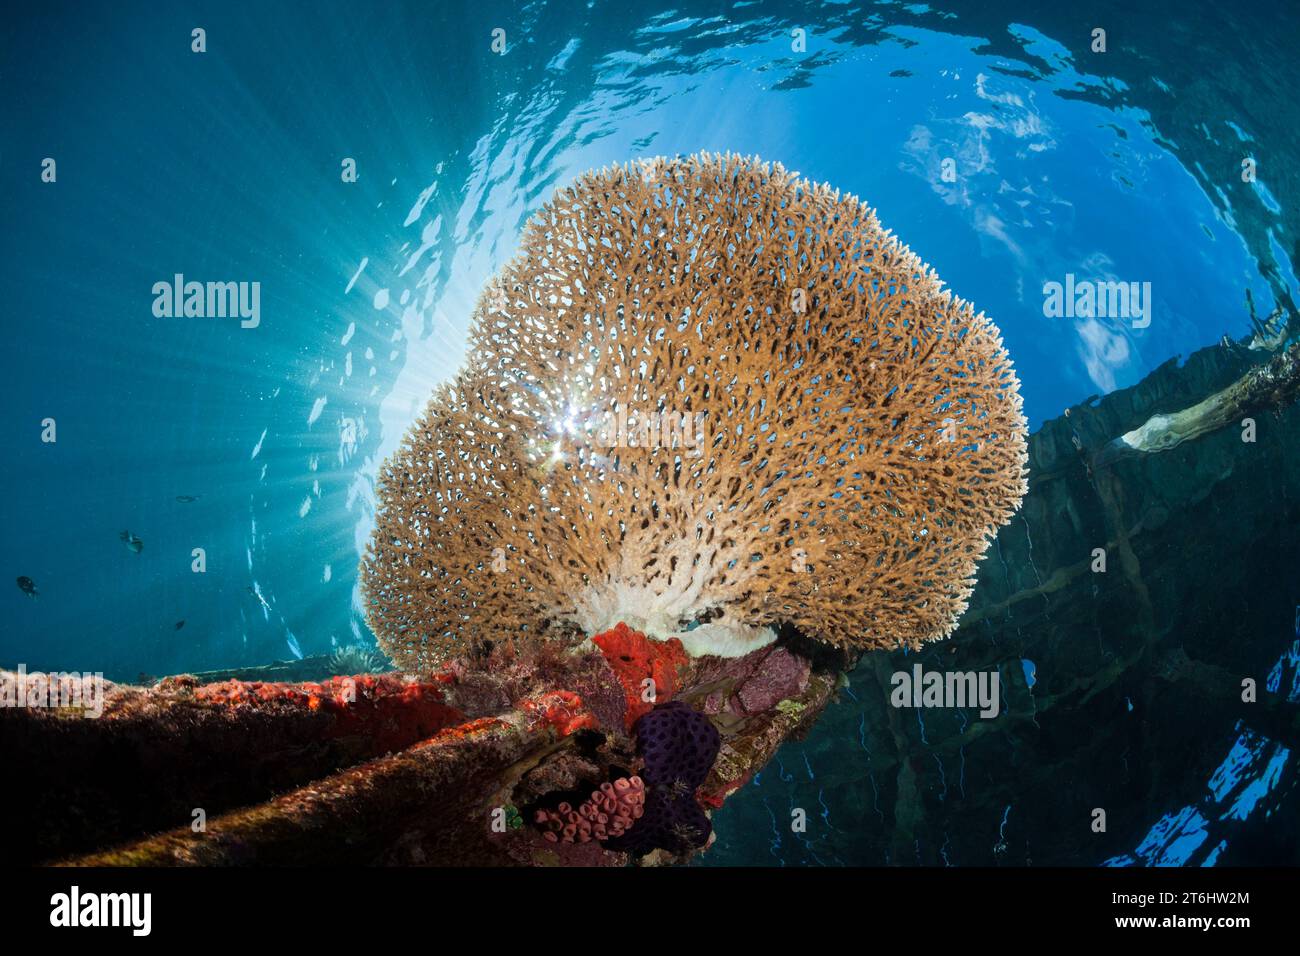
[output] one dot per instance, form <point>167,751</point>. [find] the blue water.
<point>226,165</point>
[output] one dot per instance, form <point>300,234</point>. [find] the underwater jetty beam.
<point>361,814</point>
<point>155,755</point>
<point>315,667</point>
<point>466,795</point>
<point>1272,385</point>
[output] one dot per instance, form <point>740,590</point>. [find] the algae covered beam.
<point>148,759</point>
<point>430,801</point>
<point>473,793</point>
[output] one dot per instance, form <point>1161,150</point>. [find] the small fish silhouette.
<point>27,586</point>
<point>132,542</point>
<point>180,624</point>
<point>187,499</point>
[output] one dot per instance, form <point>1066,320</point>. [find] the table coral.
<point>706,399</point>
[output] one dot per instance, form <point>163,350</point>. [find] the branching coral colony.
<point>706,400</point>
<point>845,435</point>
<point>706,404</point>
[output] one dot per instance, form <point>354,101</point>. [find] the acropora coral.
<point>706,398</point>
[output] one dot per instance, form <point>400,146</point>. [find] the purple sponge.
<point>678,746</point>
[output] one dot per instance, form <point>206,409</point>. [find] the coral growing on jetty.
<point>418,770</point>
<point>705,399</point>
<point>406,769</point>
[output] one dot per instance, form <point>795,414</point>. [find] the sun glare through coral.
<point>741,434</point>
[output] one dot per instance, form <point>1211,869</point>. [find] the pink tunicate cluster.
<point>609,813</point>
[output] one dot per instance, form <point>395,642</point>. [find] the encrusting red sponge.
<point>636,658</point>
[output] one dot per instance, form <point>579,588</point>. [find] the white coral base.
<point>658,616</point>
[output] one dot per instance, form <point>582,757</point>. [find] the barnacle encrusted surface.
<point>705,398</point>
